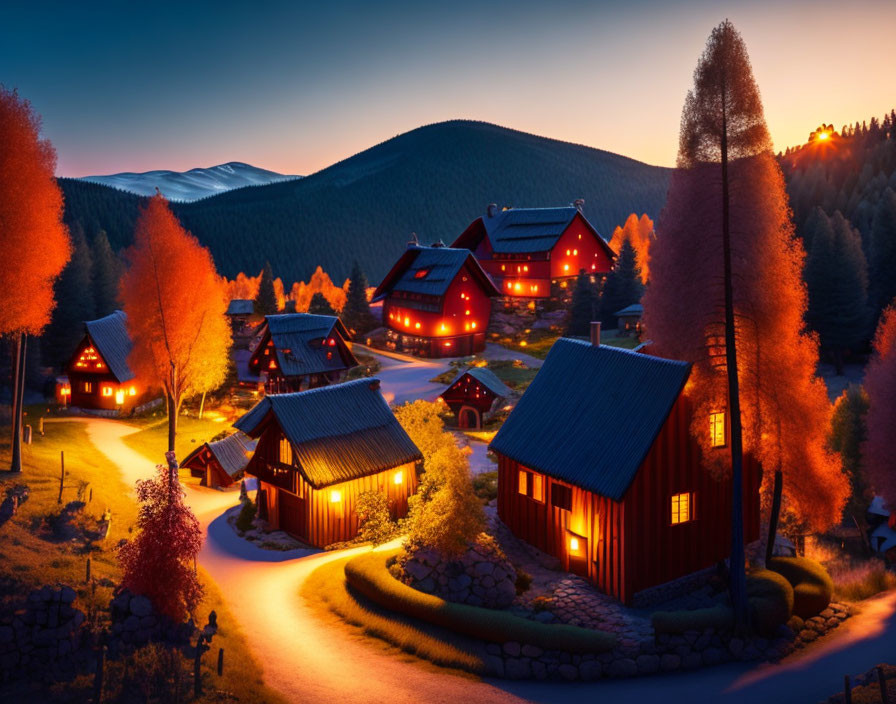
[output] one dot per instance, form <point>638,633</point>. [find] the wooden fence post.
<point>221,661</point>
<point>847,692</point>
<point>197,674</point>
<point>87,575</point>
<point>883,685</point>
<point>61,474</point>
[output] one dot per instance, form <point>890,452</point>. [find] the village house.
<point>597,466</point>
<point>239,312</point>
<point>318,450</point>
<point>298,351</point>
<point>526,250</point>
<point>98,375</point>
<point>474,395</point>
<point>628,320</point>
<point>436,302</point>
<point>222,462</point>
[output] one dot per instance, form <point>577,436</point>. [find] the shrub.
<point>523,582</point>
<point>375,523</point>
<point>812,585</point>
<point>862,580</point>
<point>720,618</point>
<point>771,600</point>
<point>369,575</point>
<point>485,486</point>
<point>246,516</point>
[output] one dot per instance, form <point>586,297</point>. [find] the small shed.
<point>222,462</point>
<point>629,320</point>
<point>319,450</point>
<point>474,395</point>
<point>240,311</point>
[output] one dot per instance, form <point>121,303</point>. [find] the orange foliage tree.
<point>34,243</point>
<point>726,294</point>
<point>880,384</point>
<point>175,305</point>
<point>640,232</point>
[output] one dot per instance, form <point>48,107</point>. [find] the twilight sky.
<point>295,86</point>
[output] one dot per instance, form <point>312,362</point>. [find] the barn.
<point>436,302</point>
<point>318,450</point>
<point>474,395</point>
<point>222,462</point>
<point>98,373</point>
<point>525,250</point>
<point>597,466</point>
<point>297,351</point>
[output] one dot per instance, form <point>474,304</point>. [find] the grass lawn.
<point>539,346</point>
<point>327,593</point>
<point>152,441</point>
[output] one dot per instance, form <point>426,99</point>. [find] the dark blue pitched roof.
<point>591,415</point>
<point>633,309</point>
<point>111,339</point>
<point>297,338</point>
<point>520,230</point>
<point>338,432</point>
<point>487,378</point>
<point>430,271</point>
<point>241,306</point>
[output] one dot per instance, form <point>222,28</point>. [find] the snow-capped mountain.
<point>193,184</point>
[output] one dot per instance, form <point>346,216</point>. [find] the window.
<point>421,273</point>
<point>717,429</point>
<point>285,451</point>
<point>531,484</point>
<point>106,390</point>
<point>682,507</point>
<point>561,496</point>
<point>87,387</point>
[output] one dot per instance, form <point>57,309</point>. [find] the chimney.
<point>437,243</point>
<point>579,203</point>
<point>413,242</point>
<point>492,209</point>
<point>595,334</point>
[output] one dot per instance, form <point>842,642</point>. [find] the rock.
<point>712,656</point>
<point>827,613</point>
<point>417,570</point>
<point>483,568</point>
<point>131,623</point>
<point>736,647</point>
<point>512,648</point>
<point>807,635</point>
<point>588,671</point>
<point>67,595</point>
<point>648,664</point>
<point>516,669</point>
<point>140,606</point>
<point>568,672</point>
<point>532,651</point>
<point>692,660</point>
<point>623,667</point>
<point>544,617</point>
<point>669,662</point>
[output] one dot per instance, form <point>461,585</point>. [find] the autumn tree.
<point>175,305</point>
<point>582,310</point>
<point>848,433</point>
<point>158,562</point>
<point>641,234</point>
<point>356,314</point>
<point>880,383</point>
<point>624,286</point>
<point>837,277</point>
<point>726,294</point>
<point>33,239</point>
<point>266,300</point>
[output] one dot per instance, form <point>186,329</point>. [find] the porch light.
<point>335,496</point>
<point>573,544</point>
<point>566,267</point>
<point>399,477</point>
<point>417,325</point>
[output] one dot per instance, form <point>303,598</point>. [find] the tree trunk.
<point>773,519</point>
<point>172,420</point>
<point>18,397</point>
<point>738,580</point>
<point>201,405</point>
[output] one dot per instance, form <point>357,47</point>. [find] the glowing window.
<point>399,477</point>
<point>575,252</point>
<point>524,482</point>
<point>682,507</point>
<point>132,391</point>
<point>526,268</point>
<point>285,451</point>
<point>566,267</point>
<point>87,387</point>
<point>407,322</point>
<point>421,273</point>
<point>335,496</point>
<point>568,252</point>
<point>503,267</point>
<point>417,325</point>
<point>717,429</point>
<point>106,390</point>
<point>119,397</point>
<point>531,484</point>
<point>473,325</point>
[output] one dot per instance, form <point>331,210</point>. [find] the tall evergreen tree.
<point>583,308</point>
<point>74,303</point>
<point>837,277</point>
<point>105,275</point>
<point>882,251</point>
<point>320,305</point>
<point>356,313</point>
<point>266,300</point>
<point>848,432</point>
<point>624,286</point>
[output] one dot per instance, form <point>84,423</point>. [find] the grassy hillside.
<point>433,181</point>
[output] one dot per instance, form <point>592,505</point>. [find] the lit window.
<point>580,237</point>
<point>399,477</point>
<point>682,507</point>
<point>106,390</point>
<point>407,322</point>
<point>573,544</point>
<point>87,387</point>
<point>417,325</point>
<point>272,364</point>
<point>566,267</point>
<point>473,325</point>
<point>285,451</point>
<point>421,274</point>
<point>332,342</point>
<point>567,252</point>
<point>335,496</point>
<point>575,252</point>
<point>509,285</point>
<point>503,267</point>
<point>132,391</point>
<point>467,313</point>
<point>531,484</point>
<point>119,397</point>
<point>717,429</point>
<point>538,487</point>
<point>524,483</point>
<point>518,286</point>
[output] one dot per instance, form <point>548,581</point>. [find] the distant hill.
<point>433,180</point>
<point>193,184</point>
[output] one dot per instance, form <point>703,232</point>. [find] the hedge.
<point>771,600</point>
<point>720,618</point>
<point>812,585</point>
<point>369,575</point>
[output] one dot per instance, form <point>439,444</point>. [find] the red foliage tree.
<point>880,384</point>
<point>158,563</point>
<point>34,243</point>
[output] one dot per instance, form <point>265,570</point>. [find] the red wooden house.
<point>318,450</point>
<point>222,462</point>
<point>475,394</point>
<point>597,466</point>
<point>436,302</point>
<point>98,373</point>
<point>299,351</point>
<point>525,250</point>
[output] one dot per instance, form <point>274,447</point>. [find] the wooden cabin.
<point>240,312</point>
<point>628,320</point>
<point>526,250</point>
<point>436,302</point>
<point>297,351</point>
<point>98,372</point>
<point>474,395</point>
<point>597,466</point>
<point>222,462</point>
<point>318,450</point>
